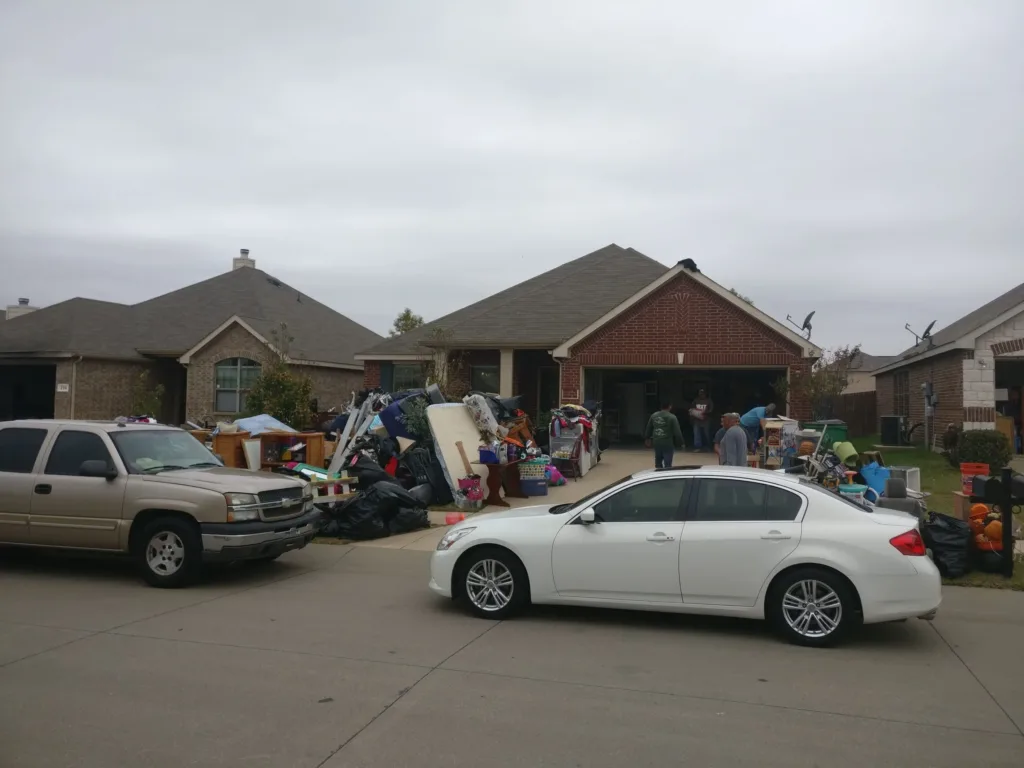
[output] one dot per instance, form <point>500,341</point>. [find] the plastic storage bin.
<point>535,487</point>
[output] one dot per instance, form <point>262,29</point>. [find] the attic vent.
<point>274,282</point>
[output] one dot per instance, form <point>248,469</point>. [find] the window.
<point>901,393</point>
<point>729,501</point>
<point>19,449</point>
<point>235,377</point>
<point>71,449</point>
<point>485,378</point>
<point>408,376</point>
<point>781,505</point>
<point>656,501</point>
<point>158,450</point>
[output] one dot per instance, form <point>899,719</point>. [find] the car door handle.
<point>661,537</point>
<point>775,536</point>
<point>43,489</point>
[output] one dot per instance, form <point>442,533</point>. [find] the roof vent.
<point>689,265</point>
<point>23,307</point>
<point>243,260</point>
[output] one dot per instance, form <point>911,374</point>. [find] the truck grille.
<point>290,500</point>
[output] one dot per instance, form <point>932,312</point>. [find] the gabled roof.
<point>561,307</point>
<point>541,312</point>
<point>689,268</point>
<point>175,322</point>
<point>962,333</point>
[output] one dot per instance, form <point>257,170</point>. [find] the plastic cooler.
<point>535,486</point>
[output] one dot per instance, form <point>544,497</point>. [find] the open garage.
<point>26,391</point>
<point>629,395</point>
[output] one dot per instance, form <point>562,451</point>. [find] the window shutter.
<point>387,376</point>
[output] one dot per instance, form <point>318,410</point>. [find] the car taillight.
<point>909,543</point>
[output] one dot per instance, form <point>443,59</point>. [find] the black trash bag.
<point>358,518</point>
<point>423,493</point>
<point>949,539</point>
<point>409,519</point>
<point>391,498</point>
<point>369,472</point>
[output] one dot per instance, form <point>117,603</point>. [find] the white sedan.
<point>713,540</point>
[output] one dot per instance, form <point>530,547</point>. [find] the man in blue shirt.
<point>753,422</point>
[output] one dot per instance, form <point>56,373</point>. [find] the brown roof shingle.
<point>543,311</point>
<point>177,321</point>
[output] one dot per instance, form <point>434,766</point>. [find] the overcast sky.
<point>864,159</point>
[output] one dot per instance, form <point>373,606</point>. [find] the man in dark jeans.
<point>664,434</point>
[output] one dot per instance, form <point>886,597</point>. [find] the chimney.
<point>21,308</point>
<point>243,260</point>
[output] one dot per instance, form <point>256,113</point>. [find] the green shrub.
<point>416,418</point>
<point>984,446</point>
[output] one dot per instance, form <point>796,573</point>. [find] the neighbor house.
<point>975,367</point>
<point>205,344</point>
<point>860,376</point>
<point>616,326</point>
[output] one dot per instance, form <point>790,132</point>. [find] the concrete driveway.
<point>339,656</point>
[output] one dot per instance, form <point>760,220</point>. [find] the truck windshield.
<point>150,451</point>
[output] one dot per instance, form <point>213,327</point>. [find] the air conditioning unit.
<point>892,430</point>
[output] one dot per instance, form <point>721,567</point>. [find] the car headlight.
<point>307,491</point>
<point>242,507</point>
<point>453,536</point>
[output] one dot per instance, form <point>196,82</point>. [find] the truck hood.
<point>225,479</point>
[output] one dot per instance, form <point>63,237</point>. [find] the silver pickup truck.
<point>150,491</point>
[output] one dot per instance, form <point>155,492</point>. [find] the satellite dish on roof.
<point>805,327</point>
<point>928,331</point>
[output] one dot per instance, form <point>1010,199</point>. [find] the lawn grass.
<point>938,476</point>
<point>941,479</point>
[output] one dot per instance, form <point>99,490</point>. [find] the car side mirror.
<point>97,468</point>
<point>587,517</point>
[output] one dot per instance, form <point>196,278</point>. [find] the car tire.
<point>169,553</point>
<point>814,607</point>
<point>493,584</point>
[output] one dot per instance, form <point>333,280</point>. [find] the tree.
<point>739,295</point>
<point>405,322</point>
<point>147,398</point>
<point>445,365</point>
<point>279,391</point>
<point>826,381</point>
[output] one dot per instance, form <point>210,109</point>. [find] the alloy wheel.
<point>812,608</point>
<point>489,585</point>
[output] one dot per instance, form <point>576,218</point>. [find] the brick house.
<point>204,343</point>
<point>616,326</point>
<point>975,366</point>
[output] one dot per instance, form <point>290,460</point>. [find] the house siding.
<point>979,371</point>
<point>945,372</point>
<point>331,386</point>
<point>102,388</point>
<point>684,317</point>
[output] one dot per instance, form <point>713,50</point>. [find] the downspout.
<point>74,382</point>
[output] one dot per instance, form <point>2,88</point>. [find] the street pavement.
<point>339,656</point>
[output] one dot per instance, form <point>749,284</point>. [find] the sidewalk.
<point>615,464</point>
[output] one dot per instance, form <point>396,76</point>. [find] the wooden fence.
<point>860,413</point>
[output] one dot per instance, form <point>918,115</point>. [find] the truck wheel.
<point>169,552</point>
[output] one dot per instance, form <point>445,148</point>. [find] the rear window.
<point>815,488</point>
<point>19,448</point>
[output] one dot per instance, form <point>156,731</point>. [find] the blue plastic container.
<point>535,487</point>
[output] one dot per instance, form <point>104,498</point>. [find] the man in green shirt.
<point>664,434</point>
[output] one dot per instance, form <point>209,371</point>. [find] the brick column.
<point>570,382</point>
<point>371,374</point>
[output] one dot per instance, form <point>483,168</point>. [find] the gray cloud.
<point>858,158</point>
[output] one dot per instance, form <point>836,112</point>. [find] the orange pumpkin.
<point>994,531</point>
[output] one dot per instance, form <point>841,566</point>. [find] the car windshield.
<point>808,485</point>
<point>560,508</point>
<point>148,451</point>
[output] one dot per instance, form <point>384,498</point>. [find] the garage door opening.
<point>26,391</point>
<point>631,395</point>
